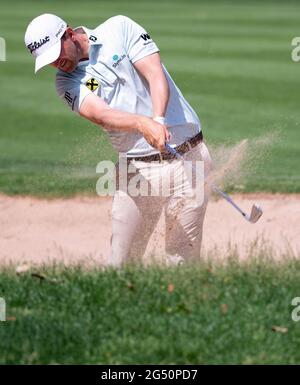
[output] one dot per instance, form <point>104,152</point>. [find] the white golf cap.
<point>43,38</point>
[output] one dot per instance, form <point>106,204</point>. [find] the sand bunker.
<point>77,230</point>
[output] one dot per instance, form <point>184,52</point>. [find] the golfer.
<point>113,76</point>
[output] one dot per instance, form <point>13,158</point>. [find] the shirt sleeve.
<point>138,42</point>
<point>71,91</point>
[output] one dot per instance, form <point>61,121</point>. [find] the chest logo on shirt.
<point>92,84</point>
<point>117,60</point>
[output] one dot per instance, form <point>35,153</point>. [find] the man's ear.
<point>70,32</point>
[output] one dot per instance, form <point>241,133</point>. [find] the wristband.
<point>160,119</point>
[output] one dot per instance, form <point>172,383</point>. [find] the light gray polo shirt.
<point>109,73</point>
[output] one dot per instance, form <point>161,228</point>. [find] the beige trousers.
<point>134,217</point>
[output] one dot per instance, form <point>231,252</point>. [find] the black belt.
<point>182,149</point>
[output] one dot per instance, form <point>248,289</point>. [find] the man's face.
<point>69,54</point>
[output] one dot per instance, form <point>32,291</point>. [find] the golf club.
<point>256,211</point>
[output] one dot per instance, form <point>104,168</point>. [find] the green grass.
<point>211,315</point>
<point>232,60</point>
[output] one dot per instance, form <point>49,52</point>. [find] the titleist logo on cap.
<point>37,44</point>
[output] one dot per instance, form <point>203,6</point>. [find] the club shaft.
<point>228,199</point>
<point>215,188</point>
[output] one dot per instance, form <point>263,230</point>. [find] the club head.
<point>256,213</point>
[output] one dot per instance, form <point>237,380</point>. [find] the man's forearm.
<point>155,134</point>
<point>151,69</point>
<point>159,90</point>
<point>97,111</point>
<point>116,120</point>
